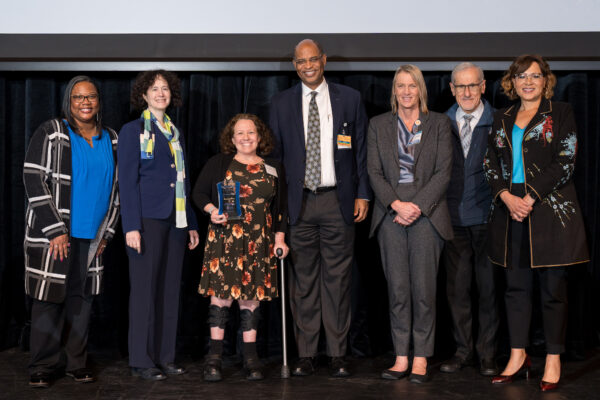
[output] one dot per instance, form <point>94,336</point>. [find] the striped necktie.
<point>465,134</point>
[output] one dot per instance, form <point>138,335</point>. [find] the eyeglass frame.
<point>471,86</point>
<point>303,61</point>
<point>80,98</point>
<point>534,76</point>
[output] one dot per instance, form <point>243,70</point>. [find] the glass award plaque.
<point>229,199</point>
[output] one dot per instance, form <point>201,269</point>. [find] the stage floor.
<point>580,380</point>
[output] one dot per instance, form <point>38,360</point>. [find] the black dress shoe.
<point>172,369</point>
<point>39,380</point>
<point>304,367</point>
<point>416,378</point>
<point>455,364</point>
<point>82,375</point>
<point>488,367</point>
<point>253,368</point>
<point>212,368</point>
<point>394,375</point>
<point>149,374</point>
<point>339,367</point>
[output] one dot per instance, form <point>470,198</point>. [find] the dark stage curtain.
<point>210,99</point>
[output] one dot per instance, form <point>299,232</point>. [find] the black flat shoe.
<point>416,378</point>
<point>304,367</point>
<point>339,367</point>
<point>394,375</point>
<point>82,375</point>
<point>172,369</point>
<point>148,374</point>
<point>212,369</point>
<point>39,380</point>
<point>253,368</point>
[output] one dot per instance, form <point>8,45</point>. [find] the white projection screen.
<point>260,34</point>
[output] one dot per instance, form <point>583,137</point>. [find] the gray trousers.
<point>410,257</point>
<point>322,248</point>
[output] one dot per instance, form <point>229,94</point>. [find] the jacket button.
<point>524,150</point>
<point>172,165</point>
<point>172,185</point>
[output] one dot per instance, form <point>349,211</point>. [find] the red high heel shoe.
<point>546,386</point>
<point>509,378</point>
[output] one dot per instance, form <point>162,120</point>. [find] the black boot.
<point>252,364</point>
<point>217,317</point>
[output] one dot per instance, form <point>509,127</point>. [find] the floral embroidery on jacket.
<point>543,131</point>
<point>500,137</point>
<point>562,208</point>
<point>569,145</point>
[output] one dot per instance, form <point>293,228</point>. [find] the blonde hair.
<point>417,77</point>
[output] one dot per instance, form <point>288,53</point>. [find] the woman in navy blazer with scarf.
<point>157,218</point>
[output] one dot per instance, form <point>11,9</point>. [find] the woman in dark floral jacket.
<point>536,227</point>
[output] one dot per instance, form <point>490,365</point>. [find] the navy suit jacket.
<point>147,187</point>
<point>349,118</point>
<point>469,195</point>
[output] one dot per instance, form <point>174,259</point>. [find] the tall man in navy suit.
<point>469,198</point>
<point>320,130</point>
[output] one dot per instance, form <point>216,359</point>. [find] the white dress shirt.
<point>326,120</point>
<point>477,113</point>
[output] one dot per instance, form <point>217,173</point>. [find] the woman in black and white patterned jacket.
<point>70,178</point>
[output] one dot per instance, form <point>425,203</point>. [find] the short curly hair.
<point>522,64</point>
<point>265,144</point>
<point>146,79</point>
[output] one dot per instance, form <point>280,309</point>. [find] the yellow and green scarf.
<point>147,148</point>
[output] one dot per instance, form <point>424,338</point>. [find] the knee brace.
<point>249,319</point>
<point>217,316</point>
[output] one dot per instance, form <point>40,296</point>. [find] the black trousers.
<point>466,256</point>
<point>58,326</point>
<point>519,288</point>
<point>155,282</point>
<point>322,247</point>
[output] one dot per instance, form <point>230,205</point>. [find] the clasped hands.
<point>519,207</point>
<point>406,212</point>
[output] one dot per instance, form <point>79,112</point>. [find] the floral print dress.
<point>239,262</point>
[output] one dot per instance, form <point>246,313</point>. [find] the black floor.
<point>580,380</point>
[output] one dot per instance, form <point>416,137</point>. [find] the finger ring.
<point>55,245</point>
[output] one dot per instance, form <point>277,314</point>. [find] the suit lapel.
<point>390,139</point>
<point>336,107</point>
<point>544,108</point>
<point>298,121</point>
<point>424,118</point>
<point>508,121</point>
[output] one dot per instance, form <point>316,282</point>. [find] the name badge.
<point>416,139</point>
<point>344,141</point>
<point>271,170</point>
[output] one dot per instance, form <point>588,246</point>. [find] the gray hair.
<point>466,65</point>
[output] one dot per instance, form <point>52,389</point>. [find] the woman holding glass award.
<point>245,197</point>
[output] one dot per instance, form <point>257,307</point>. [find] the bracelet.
<point>209,212</point>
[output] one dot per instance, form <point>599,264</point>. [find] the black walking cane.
<point>285,369</point>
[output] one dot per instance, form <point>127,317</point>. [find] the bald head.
<point>309,61</point>
<point>308,42</point>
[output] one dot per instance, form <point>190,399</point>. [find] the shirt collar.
<point>320,89</point>
<point>476,113</point>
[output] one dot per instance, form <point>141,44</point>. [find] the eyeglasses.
<point>79,98</point>
<point>312,60</point>
<point>471,86</point>
<point>523,76</point>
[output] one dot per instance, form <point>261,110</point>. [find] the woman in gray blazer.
<point>409,165</point>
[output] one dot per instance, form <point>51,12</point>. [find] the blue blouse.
<point>518,173</point>
<point>92,179</point>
